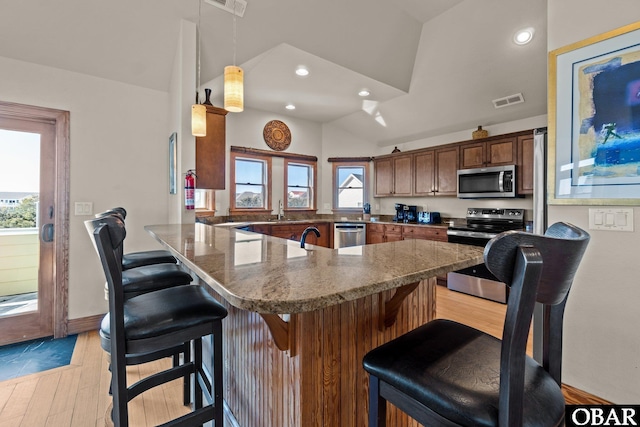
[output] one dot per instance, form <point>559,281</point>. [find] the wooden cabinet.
<point>393,176</point>
<point>294,232</point>
<point>446,172</point>
<point>423,173</point>
<point>488,153</point>
<point>525,164</point>
<point>424,167</point>
<point>424,233</point>
<point>434,171</point>
<point>210,151</point>
<point>383,233</point>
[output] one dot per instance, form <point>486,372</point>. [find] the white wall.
<point>602,343</point>
<point>182,95</point>
<point>118,136</point>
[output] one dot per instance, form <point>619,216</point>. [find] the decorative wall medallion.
<point>277,135</point>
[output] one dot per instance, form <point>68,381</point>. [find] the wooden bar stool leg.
<point>217,374</point>
<point>377,405</point>
<point>197,359</point>
<point>186,355</point>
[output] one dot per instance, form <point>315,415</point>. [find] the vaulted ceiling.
<point>432,66</point>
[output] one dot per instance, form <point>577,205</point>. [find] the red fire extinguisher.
<point>190,190</point>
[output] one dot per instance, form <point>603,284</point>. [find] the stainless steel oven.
<point>482,225</point>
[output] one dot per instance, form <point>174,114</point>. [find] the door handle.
<point>47,233</point>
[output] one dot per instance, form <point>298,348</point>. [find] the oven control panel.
<point>496,214</point>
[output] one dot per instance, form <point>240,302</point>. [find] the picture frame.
<point>173,156</point>
<point>594,120</point>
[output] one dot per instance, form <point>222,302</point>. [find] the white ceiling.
<point>432,66</point>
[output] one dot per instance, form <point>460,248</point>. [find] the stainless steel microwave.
<point>491,182</point>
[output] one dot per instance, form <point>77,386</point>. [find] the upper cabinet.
<point>210,151</point>
<point>434,171</point>
<point>446,174</point>
<point>430,172</point>
<point>525,164</point>
<point>495,152</point>
<point>393,175</point>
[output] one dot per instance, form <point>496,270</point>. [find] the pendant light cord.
<point>198,53</point>
<point>234,33</point>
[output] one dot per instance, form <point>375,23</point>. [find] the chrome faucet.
<point>280,210</point>
<point>305,232</point>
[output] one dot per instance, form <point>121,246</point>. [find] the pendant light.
<point>234,79</point>
<point>198,111</point>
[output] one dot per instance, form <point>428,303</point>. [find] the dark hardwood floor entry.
<point>77,394</point>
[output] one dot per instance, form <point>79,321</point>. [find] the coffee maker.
<point>406,213</point>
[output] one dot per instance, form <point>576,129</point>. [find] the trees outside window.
<point>251,183</point>
<point>300,185</point>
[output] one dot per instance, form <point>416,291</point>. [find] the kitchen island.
<point>300,320</point>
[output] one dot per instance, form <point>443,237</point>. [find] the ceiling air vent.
<point>227,5</point>
<point>506,101</point>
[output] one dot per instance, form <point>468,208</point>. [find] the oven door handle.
<point>472,234</point>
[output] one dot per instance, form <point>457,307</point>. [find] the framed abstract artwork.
<point>594,120</point>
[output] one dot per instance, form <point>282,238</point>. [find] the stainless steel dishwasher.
<point>349,234</point>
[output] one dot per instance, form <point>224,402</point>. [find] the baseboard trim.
<point>84,324</point>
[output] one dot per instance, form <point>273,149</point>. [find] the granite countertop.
<point>268,274</point>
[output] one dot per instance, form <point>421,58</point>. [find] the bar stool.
<point>448,374</point>
<point>144,278</point>
<point>138,259</point>
<point>153,324</point>
<point>140,280</point>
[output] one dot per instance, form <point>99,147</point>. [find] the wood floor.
<point>76,395</point>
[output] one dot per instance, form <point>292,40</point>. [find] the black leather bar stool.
<point>138,259</point>
<point>154,324</point>
<point>448,374</point>
<point>144,278</point>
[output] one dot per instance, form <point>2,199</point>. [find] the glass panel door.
<point>26,231</point>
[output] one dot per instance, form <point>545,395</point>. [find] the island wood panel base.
<point>319,381</point>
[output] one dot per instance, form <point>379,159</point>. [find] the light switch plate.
<point>616,219</point>
<point>83,208</point>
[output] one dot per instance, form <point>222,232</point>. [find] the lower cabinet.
<point>424,233</point>
<point>383,233</point>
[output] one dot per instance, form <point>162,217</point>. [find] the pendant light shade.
<point>198,120</point>
<point>233,89</point>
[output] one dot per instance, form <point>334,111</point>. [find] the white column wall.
<point>119,157</point>
<point>602,343</point>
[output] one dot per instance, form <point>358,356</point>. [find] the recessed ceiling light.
<point>364,92</point>
<point>523,36</point>
<point>302,71</point>
<point>290,107</point>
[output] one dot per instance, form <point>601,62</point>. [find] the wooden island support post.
<point>300,320</point>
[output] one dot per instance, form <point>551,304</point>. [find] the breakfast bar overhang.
<point>301,319</point>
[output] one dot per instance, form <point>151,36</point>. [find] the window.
<point>251,181</point>
<point>300,182</point>
<point>349,183</point>
<point>205,200</point>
